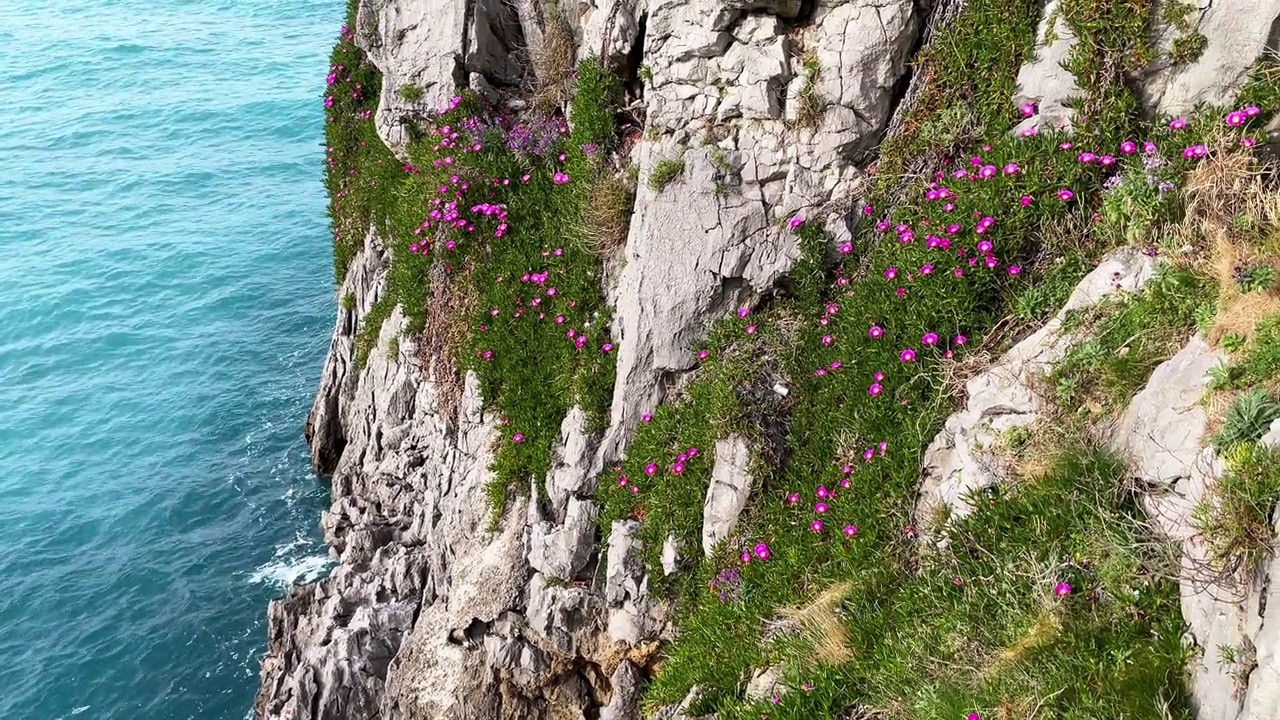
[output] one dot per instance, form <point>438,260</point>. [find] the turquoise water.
<point>165,305</point>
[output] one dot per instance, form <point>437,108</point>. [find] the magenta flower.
<point>1177,124</point>
<point>1128,147</point>
<point>891,273</point>
<point>846,248</point>
<point>820,507</point>
<point>850,530</point>
<point>751,329</point>
<point>677,468</point>
<point>875,332</point>
<point>793,498</point>
<point>822,492</point>
<point>1087,157</point>
<point>827,339</point>
<point>985,247</point>
<point>875,389</point>
<point>646,417</point>
<point>1065,195</point>
<point>796,222</point>
<point>816,526</point>
<point>1027,109</point>
<point>702,354</point>
<point>879,376</point>
<point>517,438</point>
<point>607,347</point>
<point>650,469</point>
<point>745,557</point>
<point>1062,589</point>
<point>907,355</point>
<point>929,338</point>
<point>559,178</point>
<point>1011,169</point>
<point>743,312</point>
<point>1014,270</point>
<point>1251,110</point>
<point>960,340</point>
<point>1149,147</point>
<point>1237,118</point>
<point>1248,142</point>
<point>622,480</point>
<point>926,269</point>
<point>1025,200</point>
<point>762,551</point>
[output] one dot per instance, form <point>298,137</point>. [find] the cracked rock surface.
<point>1007,395</point>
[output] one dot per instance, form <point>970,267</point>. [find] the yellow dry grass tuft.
<point>608,213</point>
<point>552,59</point>
<point>1233,219</point>
<point>821,625</point>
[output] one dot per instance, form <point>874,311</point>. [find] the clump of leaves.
<point>1247,419</point>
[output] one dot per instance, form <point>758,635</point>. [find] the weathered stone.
<point>1236,34</point>
<point>728,491</point>
<point>958,462</point>
<point>766,684</point>
<point>1162,435</point>
<point>1043,81</point>
<point>625,702</point>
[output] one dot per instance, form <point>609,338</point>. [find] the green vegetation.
<point>1236,516</point>
<point>412,93</point>
<point>664,171</point>
<point>1030,610</point>
<point>1127,337</point>
<point>1247,420</point>
<point>1188,48</point>
<point>810,102</point>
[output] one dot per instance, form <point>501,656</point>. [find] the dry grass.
<point>822,626</point>
<point>1044,629</point>
<point>608,213</point>
<point>552,59</point>
<point>445,336</point>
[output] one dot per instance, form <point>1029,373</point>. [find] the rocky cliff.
<point>562,601</point>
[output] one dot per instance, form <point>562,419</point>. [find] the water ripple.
<point>165,299</point>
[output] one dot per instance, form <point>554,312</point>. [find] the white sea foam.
<point>290,571</point>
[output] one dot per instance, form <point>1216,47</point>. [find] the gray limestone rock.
<point>958,461</point>
<point>1042,80</point>
<point>1236,34</point>
<point>728,491</point>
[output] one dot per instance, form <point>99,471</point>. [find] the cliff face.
<point>434,611</point>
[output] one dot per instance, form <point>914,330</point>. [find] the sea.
<point>166,299</point>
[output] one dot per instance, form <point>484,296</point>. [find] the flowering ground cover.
<point>1051,598</point>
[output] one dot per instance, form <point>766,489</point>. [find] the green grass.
<point>1236,518</point>
<point>412,93</point>
<point>665,171</point>
<point>1127,337</point>
<point>1188,48</point>
<point>1000,642</point>
<point>530,371</point>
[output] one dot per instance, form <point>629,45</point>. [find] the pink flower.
<point>1014,270</point>
<point>850,530</point>
<point>1027,109</point>
<point>875,332</point>
<point>1251,110</point>
<point>622,480</point>
<point>1025,200</point>
<point>517,438</point>
<point>1248,142</point>
<point>929,338</point>
<point>846,248</point>
<point>1087,157</point>
<point>1128,147</point>
<point>793,498</point>
<point>1237,118</point>
<point>1065,195</point>
<point>1062,589</point>
<point>816,526</point>
<point>827,339</point>
<point>822,492</point>
<point>875,389</point>
<point>1177,124</point>
<point>646,417</point>
<point>820,507</point>
<point>703,354</point>
<point>607,347</point>
<point>796,222</point>
<point>1011,169</point>
<point>762,551</point>
<point>677,468</point>
<point>960,340</point>
<point>891,273</point>
<point>743,312</point>
<point>559,178</point>
<point>650,469</point>
<point>907,355</point>
<point>751,329</point>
